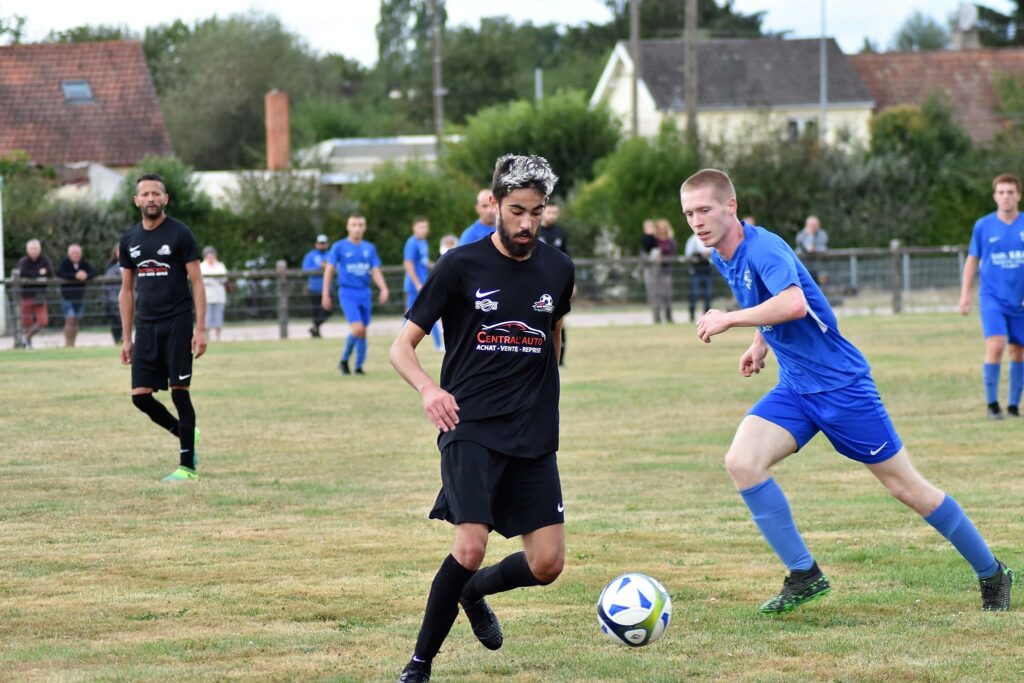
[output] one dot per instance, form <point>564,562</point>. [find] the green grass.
<point>304,552</point>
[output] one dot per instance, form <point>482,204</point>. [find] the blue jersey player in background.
<point>356,263</point>
<point>486,218</point>
<point>824,385</point>
<point>997,252</point>
<point>416,261</point>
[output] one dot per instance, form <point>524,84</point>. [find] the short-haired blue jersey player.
<point>824,385</point>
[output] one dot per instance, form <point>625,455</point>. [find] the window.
<point>77,92</point>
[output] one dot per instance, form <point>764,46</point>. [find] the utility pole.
<point>439,91</point>
<point>634,49</point>
<point>690,71</point>
<point>822,79</point>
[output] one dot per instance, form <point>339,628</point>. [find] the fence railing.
<point>895,279</point>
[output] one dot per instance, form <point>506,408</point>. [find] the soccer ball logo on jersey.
<point>544,305</point>
<point>164,250</point>
<point>747,279</point>
<point>511,336</point>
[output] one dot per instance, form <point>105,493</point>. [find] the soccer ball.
<point>634,610</point>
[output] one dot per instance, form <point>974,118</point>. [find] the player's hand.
<point>965,306</point>
<point>711,323</point>
<point>198,343</point>
<point>325,301</point>
<point>752,360</point>
<point>382,298</point>
<point>441,408</point>
<point>126,351</point>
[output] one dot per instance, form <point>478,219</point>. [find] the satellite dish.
<point>967,16</point>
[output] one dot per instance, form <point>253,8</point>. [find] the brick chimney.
<point>278,145</point>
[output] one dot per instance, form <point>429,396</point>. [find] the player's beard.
<point>515,249</point>
<point>152,212</point>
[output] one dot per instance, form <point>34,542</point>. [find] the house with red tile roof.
<point>69,105</point>
<point>966,77</point>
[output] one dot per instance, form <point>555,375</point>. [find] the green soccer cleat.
<point>995,590</point>
<point>181,474</point>
<point>798,588</point>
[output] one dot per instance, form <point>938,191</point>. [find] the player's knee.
<point>469,555</point>
<point>142,401</point>
<point>547,568</point>
<point>740,467</point>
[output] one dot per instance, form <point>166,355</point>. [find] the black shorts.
<point>162,354</point>
<point>510,495</point>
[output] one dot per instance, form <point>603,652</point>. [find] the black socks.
<point>156,411</point>
<point>442,607</point>
<point>186,426</point>
<point>511,572</point>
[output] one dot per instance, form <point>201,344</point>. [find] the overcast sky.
<point>347,26</point>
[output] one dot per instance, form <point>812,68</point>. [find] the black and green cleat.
<point>995,590</point>
<point>798,588</point>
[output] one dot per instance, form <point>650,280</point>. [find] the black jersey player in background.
<point>159,258</point>
<point>501,302</point>
<point>552,233</point>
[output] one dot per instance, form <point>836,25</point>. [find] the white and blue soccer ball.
<point>634,610</point>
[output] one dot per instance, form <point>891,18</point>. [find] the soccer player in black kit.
<point>159,258</point>
<point>501,302</point>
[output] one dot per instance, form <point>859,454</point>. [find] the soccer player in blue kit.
<point>997,252</point>
<point>824,385</point>
<point>416,261</point>
<point>356,262</point>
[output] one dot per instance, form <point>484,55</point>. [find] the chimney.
<point>965,33</point>
<point>278,153</point>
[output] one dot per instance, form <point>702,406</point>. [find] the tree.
<point>90,34</point>
<point>187,203</point>
<point>666,19</point>
<point>562,128</point>
<point>926,134</point>
<point>920,33</point>
<point>996,29</point>
<point>12,29</point>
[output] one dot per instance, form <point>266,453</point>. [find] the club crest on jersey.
<point>164,250</point>
<point>544,304</point>
<point>747,279</point>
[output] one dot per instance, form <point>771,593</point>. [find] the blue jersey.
<point>417,251</point>
<point>353,263</point>
<point>812,355</point>
<point>475,233</point>
<point>999,248</point>
<point>314,260</point>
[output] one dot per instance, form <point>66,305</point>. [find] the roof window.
<point>77,92</point>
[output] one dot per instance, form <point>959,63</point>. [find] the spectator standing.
<point>810,242</point>
<point>34,314</point>
<point>316,259</point>
<point>111,291</point>
<point>73,272</point>
<point>664,256</point>
<point>448,242</point>
<point>698,256</point>
<point>215,279</point>
<point>649,255</point>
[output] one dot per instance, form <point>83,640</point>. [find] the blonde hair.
<point>717,180</point>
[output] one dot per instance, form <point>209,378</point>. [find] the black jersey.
<point>158,258</point>
<point>555,236</point>
<point>499,361</point>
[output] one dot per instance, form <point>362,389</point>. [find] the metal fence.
<point>897,279</point>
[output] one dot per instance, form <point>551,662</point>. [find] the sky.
<point>347,26</point>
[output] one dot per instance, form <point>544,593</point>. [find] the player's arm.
<point>195,276</point>
<point>410,270</point>
<point>970,272</point>
<point>325,296</point>
<point>378,279</point>
<point>126,306</point>
<point>789,304</point>
<point>556,335</point>
<point>752,360</point>
<point>439,405</point>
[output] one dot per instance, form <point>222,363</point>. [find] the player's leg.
<point>995,328</point>
<point>361,342</point>
<point>350,307</point>
<point>1015,339</point>
<point>176,345</point>
<point>946,516</point>
<point>149,373</point>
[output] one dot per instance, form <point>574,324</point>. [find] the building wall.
<point>849,122</point>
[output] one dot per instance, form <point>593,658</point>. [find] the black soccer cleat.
<point>343,367</point>
<point>798,588</point>
<point>994,413</point>
<point>415,672</point>
<point>995,590</point>
<point>1012,411</point>
<point>359,371</point>
<point>484,624</point>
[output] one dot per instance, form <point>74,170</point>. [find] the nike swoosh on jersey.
<point>480,295</point>
<point>993,239</point>
<point>877,450</point>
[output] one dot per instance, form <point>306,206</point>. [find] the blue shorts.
<point>356,304</point>
<point>996,323</point>
<point>852,418</point>
<point>72,309</point>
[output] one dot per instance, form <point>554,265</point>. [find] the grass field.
<point>304,551</point>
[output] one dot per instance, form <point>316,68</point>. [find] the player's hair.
<point>420,219</point>
<point>151,176</point>
<point>1007,178</point>
<point>717,180</point>
<point>517,172</point>
<point>355,215</point>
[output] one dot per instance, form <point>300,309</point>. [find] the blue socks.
<point>990,374</point>
<point>771,513</point>
<point>350,344</point>
<point>950,520</point>
<point>1016,383</point>
<point>360,352</point>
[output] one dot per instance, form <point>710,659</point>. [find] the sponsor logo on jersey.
<point>544,304</point>
<point>135,251</point>
<point>511,336</point>
<point>486,305</point>
<point>152,268</point>
<point>747,279</point>
<point>164,250</point>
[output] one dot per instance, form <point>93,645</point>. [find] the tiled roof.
<point>766,72</point>
<point>965,76</point>
<point>122,125</point>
